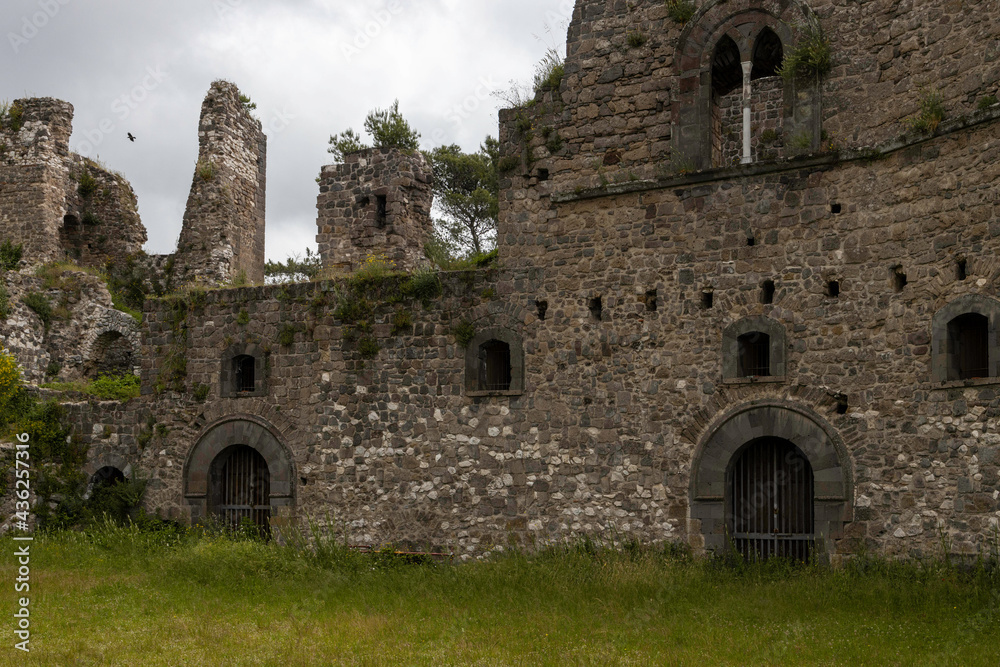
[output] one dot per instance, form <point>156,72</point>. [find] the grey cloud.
<point>299,60</point>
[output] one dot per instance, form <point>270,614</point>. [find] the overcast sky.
<point>314,67</point>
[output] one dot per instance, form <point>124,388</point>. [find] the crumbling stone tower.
<point>56,204</point>
<point>223,234</point>
<point>34,148</point>
<point>377,201</point>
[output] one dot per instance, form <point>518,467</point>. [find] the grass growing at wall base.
<point>106,387</point>
<point>125,596</point>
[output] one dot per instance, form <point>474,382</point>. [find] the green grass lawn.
<point>121,597</point>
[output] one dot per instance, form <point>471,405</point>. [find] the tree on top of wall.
<point>387,128</point>
<point>466,194</point>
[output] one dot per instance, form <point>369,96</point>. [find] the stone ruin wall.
<point>86,334</point>
<point>605,438</point>
<point>42,204</point>
<point>349,225</point>
<point>921,450</point>
<point>222,238</point>
<point>617,112</point>
<point>34,177</point>
<point>101,225</point>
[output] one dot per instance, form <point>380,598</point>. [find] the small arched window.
<point>968,347</point>
<point>754,358</point>
<point>753,348</point>
<point>243,372</point>
<point>494,364</point>
<point>767,55</point>
<point>727,73</point>
<point>964,339</point>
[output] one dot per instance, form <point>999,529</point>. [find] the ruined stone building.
<point>728,305</point>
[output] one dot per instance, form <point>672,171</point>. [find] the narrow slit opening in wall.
<point>961,269</point>
<point>898,278</point>
<point>543,308</point>
<point>833,289</point>
<point>651,300</point>
<point>751,241</point>
<point>596,308</point>
<point>836,209</point>
<point>707,300</point>
<point>842,405</point>
<point>767,292</point>
<point>381,210</point>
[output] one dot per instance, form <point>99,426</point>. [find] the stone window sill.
<point>771,379</point>
<point>481,394</point>
<point>977,382</point>
<point>244,394</point>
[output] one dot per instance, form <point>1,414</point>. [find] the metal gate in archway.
<point>772,501</point>
<point>242,488</point>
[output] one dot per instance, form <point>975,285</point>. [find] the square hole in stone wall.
<point>596,308</point>
<point>707,299</point>
<point>543,309</point>
<point>898,278</point>
<point>767,292</point>
<point>833,289</point>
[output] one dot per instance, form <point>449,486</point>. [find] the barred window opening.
<point>754,355</point>
<point>494,366</point>
<point>243,373</point>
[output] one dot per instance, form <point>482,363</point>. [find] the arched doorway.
<point>738,440</point>
<point>771,501</point>
<point>240,489</point>
<point>239,469</point>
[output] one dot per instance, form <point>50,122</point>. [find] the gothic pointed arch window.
<point>767,55</point>
<point>727,82</point>
<point>728,91</point>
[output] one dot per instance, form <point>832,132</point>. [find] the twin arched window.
<point>720,50</point>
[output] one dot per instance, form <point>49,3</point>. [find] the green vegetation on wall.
<point>56,457</point>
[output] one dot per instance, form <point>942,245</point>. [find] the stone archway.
<point>112,345</point>
<point>819,443</point>
<point>221,436</point>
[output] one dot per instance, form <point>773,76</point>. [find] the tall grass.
<point>122,595</point>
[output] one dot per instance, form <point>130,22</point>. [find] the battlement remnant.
<point>377,201</point>
<point>222,238</point>
<point>57,204</point>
